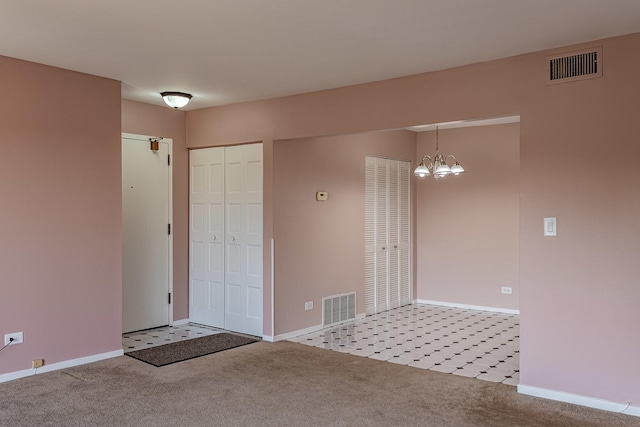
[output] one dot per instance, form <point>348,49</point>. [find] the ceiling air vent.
<point>573,66</point>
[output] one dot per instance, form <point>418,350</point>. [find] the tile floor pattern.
<point>167,334</point>
<point>469,343</point>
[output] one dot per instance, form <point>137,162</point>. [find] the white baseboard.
<point>297,333</point>
<point>309,330</point>
<point>180,322</point>
<point>60,365</point>
<point>267,338</point>
<point>576,399</point>
<point>467,306</point>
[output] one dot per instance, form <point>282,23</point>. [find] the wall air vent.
<point>338,308</point>
<point>574,66</point>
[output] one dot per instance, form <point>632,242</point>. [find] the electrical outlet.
<point>18,337</point>
<point>308,305</point>
<point>37,363</point>
<point>507,290</point>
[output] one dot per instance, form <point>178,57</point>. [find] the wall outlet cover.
<point>18,338</point>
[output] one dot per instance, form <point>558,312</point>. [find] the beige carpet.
<point>283,384</point>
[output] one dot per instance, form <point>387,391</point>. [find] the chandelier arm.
<point>450,155</point>
<point>429,166</point>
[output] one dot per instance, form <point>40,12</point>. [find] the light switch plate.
<point>322,196</point>
<point>550,227</point>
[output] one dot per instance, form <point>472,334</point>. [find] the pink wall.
<point>145,119</point>
<point>60,227</point>
<point>469,225</point>
<point>578,291</point>
<point>319,246</point>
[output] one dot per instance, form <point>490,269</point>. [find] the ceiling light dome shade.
<point>421,170</point>
<point>176,99</point>
<point>443,170</point>
<point>457,169</point>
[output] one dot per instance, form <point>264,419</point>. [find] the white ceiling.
<point>228,51</point>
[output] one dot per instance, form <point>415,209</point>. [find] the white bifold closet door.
<point>387,234</point>
<point>225,255</point>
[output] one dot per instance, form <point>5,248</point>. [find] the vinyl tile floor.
<point>464,342</point>
<point>165,335</point>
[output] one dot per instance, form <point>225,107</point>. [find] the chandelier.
<point>438,165</point>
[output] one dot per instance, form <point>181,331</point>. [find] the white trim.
<point>576,399</point>
<point>309,330</point>
<point>267,338</point>
<point>466,123</point>
<point>467,306</point>
<point>60,365</point>
<point>297,333</point>
<point>181,322</point>
<point>273,281</point>
<point>173,228</point>
<point>169,142</point>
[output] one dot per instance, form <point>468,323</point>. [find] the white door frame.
<point>169,142</point>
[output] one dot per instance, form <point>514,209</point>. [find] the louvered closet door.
<point>382,239</point>
<point>370,235</point>
<point>206,237</point>
<point>387,234</point>
<point>394,233</point>
<point>404,232</point>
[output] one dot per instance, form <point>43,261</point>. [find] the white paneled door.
<point>226,238</point>
<point>146,205</point>
<point>206,230</point>
<point>387,234</point>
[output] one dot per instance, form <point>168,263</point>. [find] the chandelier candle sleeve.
<point>438,164</point>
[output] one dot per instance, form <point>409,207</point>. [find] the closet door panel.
<point>382,240</point>
<point>394,235</point>
<point>244,238</point>
<point>370,235</point>
<point>404,228</point>
<point>206,235</point>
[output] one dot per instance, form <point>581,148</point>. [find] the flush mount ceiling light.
<point>176,99</point>
<point>438,165</point>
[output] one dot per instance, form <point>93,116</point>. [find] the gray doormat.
<point>189,349</point>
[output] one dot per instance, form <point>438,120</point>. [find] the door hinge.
<point>169,297</point>
<point>168,228</point>
<point>168,159</point>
